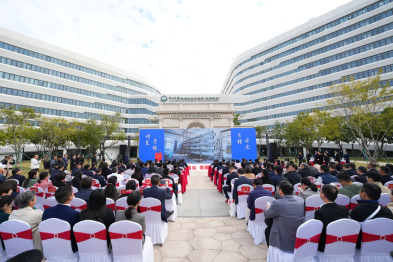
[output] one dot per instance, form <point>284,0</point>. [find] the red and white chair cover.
<point>125,179</point>
<point>338,185</point>
<point>231,202</point>
<point>312,204</point>
<point>49,202</point>
<point>175,177</point>
<point>179,195</point>
<point>17,237</point>
<point>312,179</point>
<point>354,202</point>
<point>19,189</point>
<point>121,203</point>
<point>156,229</point>
<point>40,196</point>
<point>78,204</point>
<point>257,227</point>
<point>170,183</point>
<point>296,188</point>
<point>170,204</point>
<point>50,191</point>
<point>126,239</point>
<point>384,199</point>
<point>74,190</point>
<point>148,176</point>
<point>91,239</point>
<point>56,240</point>
<point>270,188</point>
<point>146,182</point>
<point>136,181</point>
<point>299,199</point>
<point>242,194</point>
<point>341,238</point>
<point>319,185</point>
<point>357,183</point>
<point>111,204</point>
<point>377,241</point>
<point>306,245</point>
<point>343,200</point>
<point>389,185</point>
<point>259,175</point>
<point>96,183</point>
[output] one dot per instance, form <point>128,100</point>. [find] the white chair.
<point>50,191</point>
<point>91,239</point>
<point>341,238</point>
<point>384,199</point>
<point>306,245</point>
<point>19,189</point>
<point>56,240</point>
<point>136,181</point>
<point>40,196</point>
<point>156,229</point>
<point>125,179</point>
<point>179,195</point>
<point>343,201</point>
<point>299,199</point>
<point>111,204</point>
<point>121,203</point>
<point>312,204</point>
<point>257,227</point>
<point>259,175</point>
<point>354,202</point>
<point>170,204</point>
<point>17,237</point>
<point>170,183</point>
<point>312,179</point>
<point>242,194</point>
<point>74,190</point>
<point>78,204</point>
<point>377,241</point>
<point>389,185</point>
<point>126,239</point>
<point>96,183</point>
<point>296,188</point>
<point>146,182</point>
<point>338,185</point>
<point>49,202</point>
<point>357,183</point>
<point>319,185</point>
<point>270,188</point>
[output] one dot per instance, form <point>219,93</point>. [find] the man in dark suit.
<point>308,156</point>
<point>362,178</point>
<point>231,176</point>
<point>385,174</point>
<point>225,170</point>
<point>16,174</point>
<point>329,211</point>
<point>145,169</point>
<point>305,170</point>
<point>77,168</point>
<point>87,171</point>
<point>63,211</point>
<point>86,190</point>
<point>155,192</point>
<point>242,180</point>
<point>278,175</point>
<point>332,169</point>
<point>352,169</point>
<point>292,175</point>
<point>176,170</point>
<point>100,178</point>
<point>300,158</point>
<point>337,157</point>
<point>59,179</point>
<point>319,158</point>
<point>256,170</point>
<point>346,157</point>
<point>271,168</point>
<point>258,191</point>
<point>73,162</point>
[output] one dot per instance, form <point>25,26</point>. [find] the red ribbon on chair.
<point>80,237</point>
<point>353,205</point>
<point>259,211</point>
<point>133,235</point>
<point>45,206</point>
<point>333,239</point>
<point>82,207</point>
<point>111,206</point>
<point>312,208</point>
<point>27,234</point>
<point>347,207</point>
<point>241,193</point>
<point>155,208</point>
<point>121,208</point>
<point>66,235</point>
<point>366,237</point>
<point>40,194</point>
<point>301,241</point>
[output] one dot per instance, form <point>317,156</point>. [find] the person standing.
<point>53,162</point>
<point>65,160</point>
<point>300,158</point>
<point>346,157</point>
<point>73,162</point>
<point>308,156</point>
<point>35,163</point>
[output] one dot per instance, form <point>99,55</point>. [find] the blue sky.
<point>184,46</point>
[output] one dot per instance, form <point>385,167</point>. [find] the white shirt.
<point>35,163</point>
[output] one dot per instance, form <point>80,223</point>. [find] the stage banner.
<point>151,141</point>
<point>244,143</point>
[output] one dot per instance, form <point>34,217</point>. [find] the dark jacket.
<point>320,159</point>
<point>271,173</point>
<point>328,213</point>
<point>73,162</point>
<point>361,178</point>
<point>20,178</point>
<point>385,179</point>
<point>257,170</point>
<point>88,172</point>
<point>84,194</point>
<point>305,172</point>
<point>65,213</point>
<point>240,181</point>
<point>277,178</point>
<point>293,177</point>
<point>59,184</point>
<point>76,184</point>
<point>229,179</point>
<point>100,178</point>
<point>144,170</point>
<point>158,193</point>
<point>74,170</point>
<point>327,178</point>
<point>334,172</point>
<point>351,172</point>
<point>326,159</point>
<point>267,180</point>
<point>258,191</point>
<point>106,172</point>
<point>225,170</point>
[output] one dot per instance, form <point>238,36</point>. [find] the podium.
<point>158,156</point>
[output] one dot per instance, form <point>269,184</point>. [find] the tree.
<point>358,104</point>
<point>338,133</point>
<point>236,119</point>
<point>322,126</point>
<point>260,133</point>
<point>89,136</point>
<point>278,133</point>
<point>17,130</point>
<point>300,132</point>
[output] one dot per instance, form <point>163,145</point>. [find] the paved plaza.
<point>204,231</point>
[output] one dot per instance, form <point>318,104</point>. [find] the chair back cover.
<point>19,189</point>
<point>91,237</point>
<point>312,179</point>
<point>319,185</point>
<point>269,187</point>
<point>384,199</point>
<point>126,239</point>
<point>96,183</point>
<point>389,185</point>
<point>21,239</point>
<point>16,180</point>
<point>377,236</point>
<point>49,202</point>
<point>40,196</point>
<point>136,181</point>
<point>170,183</point>
<point>344,233</point>
<point>338,185</point>
<point>242,193</point>
<point>146,181</point>
<point>111,204</point>
<point>296,188</point>
<point>50,191</point>
<point>307,239</point>
<point>312,203</point>
<point>299,199</point>
<point>343,200</point>
<point>121,203</point>
<point>125,179</point>
<point>78,204</point>
<point>260,208</point>
<point>74,190</point>
<point>357,183</point>
<point>354,202</point>
<point>56,238</point>
<point>151,216</point>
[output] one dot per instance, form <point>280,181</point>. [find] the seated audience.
<point>16,174</point>
<point>278,175</point>
<point>177,171</point>
<point>77,168</point>
<point>258,191</point>
<point>333,169</point>
<point>270,168</point>
<point>369,207</point>
<point>112,180</point>
<point>87,171</point>
<point>386,174</point>
<point>283,218</point>
<point>155,192</point>
<point>352,169</point>
<point>111,192</point>
<point>131,214</point>
<point>348,189</point>
<point>374,177</point>
<point>93,167</point>
<point>329,211</point>
<point>76,181</point>
<point>326,177</point>
<point>115,174</point>
<point>242,180</point>
<point>86,190</point>
<point>99,177</point>
<point>105,170</point>
<point>256,170</point>
<point>145,168</point>
<point>361,175</point>
<point>292,176</point>
<point>150,172</point>
<point>390,205</point>
<point>130,186</point>
<point>314,169</point>
<point>43,181</point>
<point>5,189</point>
<point>166,176</point>
<point>228,186</point>
<point>266,178</point>
<point>248,173</point>
<point>5,207</point>
<point>138,175</point>
<point>63,211</point>
<point>305,170</point>
<point>25,203</point>
<point>14,187</point>
<point>31,180</point>
<point>307,188</point>
<point>60,180</point>
<point>128,170</point>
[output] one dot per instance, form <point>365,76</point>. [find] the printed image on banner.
<point>198,146</point>
<point>151,142</point>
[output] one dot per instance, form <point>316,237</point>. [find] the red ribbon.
<point>366,237</point>
<point>125,192</point>
<point>111,206</point>
<point>133,235</point>
<point>154,208</point>
<point>27,234</point>
<point>259,211</point>
<point>121,208</point>
<point>333,239</point>
<point>80,237</point>
<point>353,205</point>
<point>347,207</point>
<point>82,207</point>
<point>66,235</point>
<point>40,194</point>
<point>301,241</point>
<point>312,208</point>
<point>45,206</point>
<point>241,193</point>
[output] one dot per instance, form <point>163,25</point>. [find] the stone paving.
<point>196,238</point>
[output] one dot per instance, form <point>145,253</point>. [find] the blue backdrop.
<point>244,143</point>
<point>151,141</point>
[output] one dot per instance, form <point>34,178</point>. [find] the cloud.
<point>183,46</point>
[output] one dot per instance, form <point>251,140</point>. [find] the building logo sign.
<point>189,99</point>
<point>164,98</point>
<point>195,115</point>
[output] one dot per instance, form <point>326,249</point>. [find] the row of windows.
<point>131,130</point>
<point>47,71</point>
<point>60,62</point>
<point>309,88</point>
<point>374,72</point>
<point>322,61</point>
<point>351,40</point>
<point>37,82</point>
<point>331,35</point>
<point>328,71</point>
<point>85,115</point>
<point>56,99</point>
